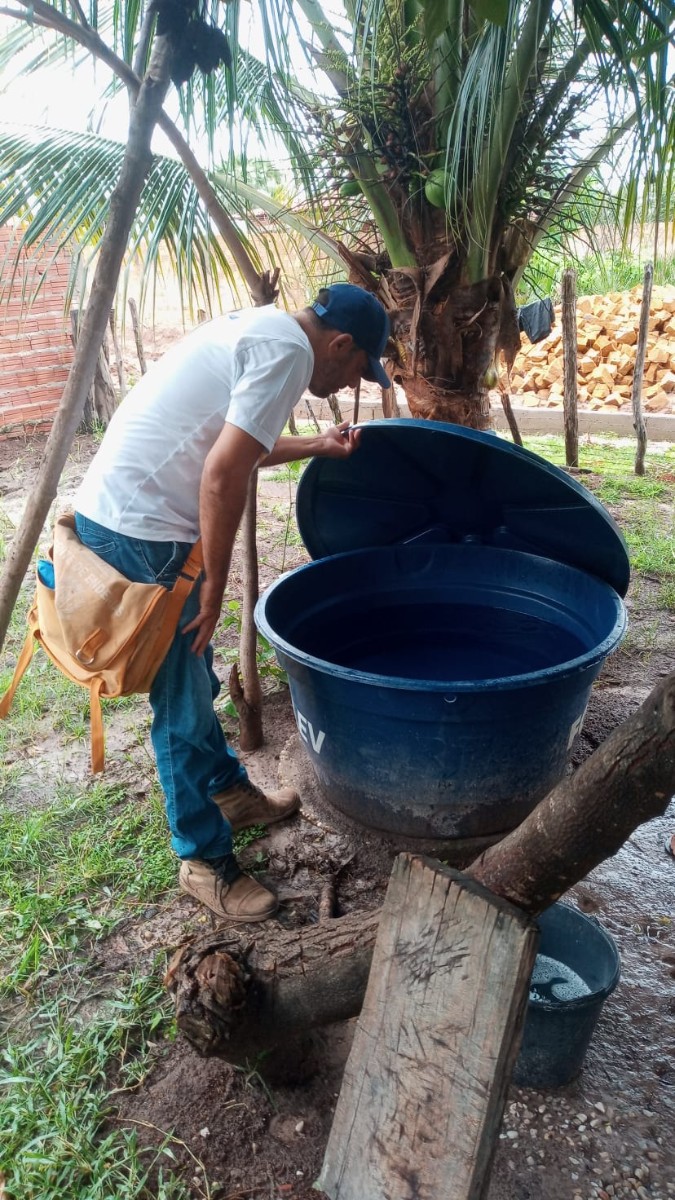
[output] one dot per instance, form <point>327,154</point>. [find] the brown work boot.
<point>223,888</point>
<point>245,804</point>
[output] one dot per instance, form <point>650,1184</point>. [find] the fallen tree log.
<point>239,992</point>
<point>628,780</point>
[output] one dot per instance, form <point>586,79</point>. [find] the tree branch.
<point>44,14</point>
<point>77,8</point>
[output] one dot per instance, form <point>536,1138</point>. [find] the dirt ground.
<point>608,1133</point>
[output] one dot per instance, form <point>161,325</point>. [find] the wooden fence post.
<point>138,336</point>
<point>101,400</point>
<point>119,361</point>
<point>640,353</point>
<point>569,345</point>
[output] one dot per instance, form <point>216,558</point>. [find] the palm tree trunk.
<point>451,336</point>
<point>123,205</point>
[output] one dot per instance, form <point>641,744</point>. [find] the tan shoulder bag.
<point>101,630</point>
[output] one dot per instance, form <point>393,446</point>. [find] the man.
<point>175,463</point>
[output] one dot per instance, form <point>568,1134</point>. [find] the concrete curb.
<point>660,427</point>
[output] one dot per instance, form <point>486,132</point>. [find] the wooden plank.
<point>424,1088</point>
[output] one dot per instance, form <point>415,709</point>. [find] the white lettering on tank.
<point>576,728</point>
<point>306,730</point>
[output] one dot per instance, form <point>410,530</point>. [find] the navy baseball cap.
<point>351,309</point>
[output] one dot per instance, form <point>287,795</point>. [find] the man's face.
<point>338,363</point>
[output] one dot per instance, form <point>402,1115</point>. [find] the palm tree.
<point>459,135</point>
<point>433,146</point>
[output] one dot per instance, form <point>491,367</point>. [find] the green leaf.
<point>435,19</point>
<point>495,11</point>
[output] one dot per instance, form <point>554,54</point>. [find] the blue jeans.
<point>193,758</point>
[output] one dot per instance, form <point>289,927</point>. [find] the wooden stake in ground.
<point>101,400</point>
<point>334,406</point>
<point>424,1087</point>
<point>510,415</point>
<point>245,689</point>
<point>119,362</point>
<point>569,343</point>
<point>138,337</point>
<point>390,406</point>
<point>640,353</point>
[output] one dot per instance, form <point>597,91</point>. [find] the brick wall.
<point>35,346</point>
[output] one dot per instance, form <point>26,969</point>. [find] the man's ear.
<point>342,343</point>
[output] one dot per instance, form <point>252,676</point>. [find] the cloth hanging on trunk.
<point>536,319</point>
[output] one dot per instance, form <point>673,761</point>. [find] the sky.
<point>66,99</point>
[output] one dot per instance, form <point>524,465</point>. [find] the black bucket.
<point>559,1024</point>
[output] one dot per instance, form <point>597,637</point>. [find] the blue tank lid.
<point>413,480</point>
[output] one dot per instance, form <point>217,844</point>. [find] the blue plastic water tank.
<point>438,681</point>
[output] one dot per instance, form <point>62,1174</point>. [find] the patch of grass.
<point>43,692</point>
<point>286,472</point>
<point>618,271</point>
<point>666,595</point>
<point>597,274</point>
<point>614,489</point>
<point>652,551</point>
<point>68,873</point>
<point>56,1137</point>
<point>645,503</point>
<point>606,455</point>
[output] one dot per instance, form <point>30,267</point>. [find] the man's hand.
<point>339,441</point>
<point>204,624</point>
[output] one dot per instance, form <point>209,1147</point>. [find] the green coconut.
<point>491,377</point>
<point>350,187</point>
<point>434,188</point>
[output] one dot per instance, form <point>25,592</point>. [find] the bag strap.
<point>187,577</point>
<point>96,722</point>
<point>193,563</point>
<point>19,671</point>
<point>176,597</point>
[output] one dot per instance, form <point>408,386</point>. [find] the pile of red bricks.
<point>607,332</point>
<point>35,345</point>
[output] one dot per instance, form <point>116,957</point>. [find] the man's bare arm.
<point>222,497</point>
<point>338,441</point>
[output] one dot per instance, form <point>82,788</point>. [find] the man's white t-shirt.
<point>248,368</point>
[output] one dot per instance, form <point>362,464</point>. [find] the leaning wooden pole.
<point>138,335</point>
<point>245,688</point>
<point>239,993</point>
<point>629,779</point>
<point>569,346</point>
<point>123,205</point>
<point>640,354</point>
